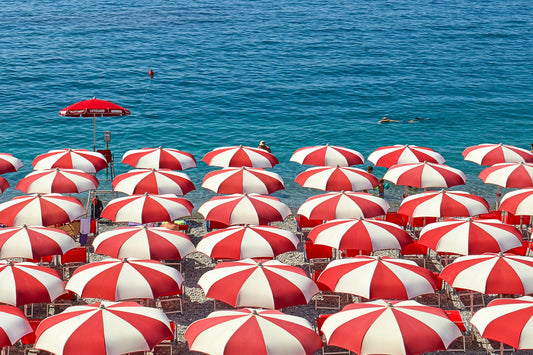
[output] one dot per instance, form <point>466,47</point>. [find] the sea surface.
<point>292,73</point>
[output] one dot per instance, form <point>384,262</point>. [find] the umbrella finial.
<point>500,254</point>
<point>125,260</point>
<point>24,226</point>
<point>254,312</point>
<point>389,305</point>
<point>102,306</point>
<point>259,264</point>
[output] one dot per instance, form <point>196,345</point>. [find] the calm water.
<point>293,73</point>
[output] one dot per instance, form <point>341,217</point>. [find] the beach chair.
<point>317,255</point>
<point>213,225</point>
<point>65,300</point>
<point>28,340</point>
<point>43,261</point>
<point>490,215</point>
<point>416,252</point>
<point>326,299</point>
<point>304,223</point>
<point>171,304</point>
<point>326,349</point>
<point>350,253</point>
<point>397,218</point>
<point>72,259</point>
<point>459,344</point>
<point>522,250</point>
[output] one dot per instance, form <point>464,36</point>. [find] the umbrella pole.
<point>498,197</point>
<point>94,133</point>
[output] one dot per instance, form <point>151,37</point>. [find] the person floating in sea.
<point>531,148</point>
<point>262,145</point>
<point>385,119</point>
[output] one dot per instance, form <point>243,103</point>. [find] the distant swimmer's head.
<point>262,143</point>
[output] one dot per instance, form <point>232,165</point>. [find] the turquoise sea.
<point>292,73</point>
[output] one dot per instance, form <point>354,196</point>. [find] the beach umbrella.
<point>443,204</point>
<point>125,279</point>
<point>337,179</point>
<point>508,321</point>
<point>81,159</point>
<point>344,204</point>
<point>242,242</point>
<point>327,155</point>
<point>519,202</point>
<point>40,210</point>
<point>491,273</point>
<point>9,164</point>
<point>490,154</point>
<point>33,242</point>
<point>240,156</point>
<point>93,108</point>
<point>249,283</point>
<point>110,328</point>
<point>4,184</point>
<point>13,325</point>
<point>154,243</point>
<point>243,180</point>
<point>390,327</point>
<point>470,236</point>
<point>25,283</point>
<point>152,181</point>
<point>378,277</point>
<point>159,158</point>
<point>57,181</point>
<point>252,331</point>
<point>360,234</point>
<point>244,209</point>
<point>404,154</point>
<point>509,175</point>
<point>147,208</point>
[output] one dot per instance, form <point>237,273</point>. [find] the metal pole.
<point>94,132</point>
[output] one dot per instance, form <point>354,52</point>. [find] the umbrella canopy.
<point>81,159</point>
<point>125,279</point>
<point>467,237</point>
<point>58,181</point>
<point>4,184</point>
<point>242,242</point>
<point>244,209</point>
<point>338,205</point>
<point>147,208</point>
<point>443,204</point>
<point>519,203</point>
<point>360,234</point>
<point>243,180</point>
<point>240,156</point>
<point>92,108</point>
<point>491,273</point>
<point>25,283</point>
<point>152,181</point>
<point>33,242</point>
<point>248,283</point>
<point>13,325</point>
<point>390,327</point>
<point>327,155</point>
<point>9,164</point>
<point>144,243</point>
<point>337,179</point>
<point>424,175</point>
<point>404,154</point>
<point>103,328</point>
<point>254,332</point>
<point>378,277</point>
<point>40,210</point>
<point>508,321</point>
<point>509,175</point>
<point>159,158</point>
<point>490,154</point>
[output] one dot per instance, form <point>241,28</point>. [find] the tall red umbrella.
<point>327,155</point>
<point>239,156</point>
<point>443,204</point>
<point>92,108</point>
<point>337,179</point>
<point>159,158</point>
<point>490,154</point>
<point>404,154</point>
<point>81,159</point>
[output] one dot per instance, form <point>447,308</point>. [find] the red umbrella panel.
<point>33,242</point>
<point>9,164</point>
<point>4,184</point>
<point>327,155</point>
<point>510,175</point>
<point>519,202</point>
<point>490,154</point>
<point>240,156</point>
<point>443,204</point>
<point>81,159</point>
<point>57,181</point>
<point>13,325</point>
<point>337,179</point>
<point>159,158</point>
<point>404,154</point>
<point>424,175</point>
<point>152,181</point>
<point>243,180</point>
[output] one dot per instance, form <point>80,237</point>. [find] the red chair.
<point>422,221</point>
<point>522,250</point>
<point>491,215</point>
<point>212,225</point>
<point>326,295</point>
<point>72,259</point>
<point>317,255</point>
<point>397,218</point>
<point>350,253</point>
<point>415,251</point>
<point>28,340</point>
<point>45,260</point>
<point>107,154</point>
<point>457,319</point>
<point>510,218</point>
<point>304,223</point>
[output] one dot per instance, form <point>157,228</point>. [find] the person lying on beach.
<point>387,120</point>
<point>262,145</point>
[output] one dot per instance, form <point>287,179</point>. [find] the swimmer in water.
<point>387,120</point>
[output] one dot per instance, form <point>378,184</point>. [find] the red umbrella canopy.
<point>443,204</point>
<point>519,202</point>
<point>57,180</point>
<point>92,107</point>
<point>327,155</point>
<point>404,154</point>
<point>337,179</point>
<point>13,325</point>
<point>4,184</point>
<point>423,175</point>
<point>239,156</point>
<point>81,159</point>
<point>243,180</point>
<point>152,181</point>
<point>509,175</point>
<point>159,158</point>
<point>9,164</point>
<point>490,154</point>
<point>33,242</point>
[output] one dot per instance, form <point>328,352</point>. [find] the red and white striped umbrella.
<point>242,242</point>
<point>507,320</point>
<point>243,180</point>
<point>378,277</point>
<point>360,234</point>
<point>468,237</point>
<point>508,175</point>
<point>25,283</point>
<point>147,208</point>
<point>249,283</point>
<point>9,164</point>
<point>103,328</point>
<point>13,325</point>
<point>443,204</point>
<point>337,179</point>
<point>244,209</point>
<point>491,273</point>
<point>338,205</point>
<point>327,155</point>
<point>33,242</point>
<point>125,279</point>
<point>424,175</point>
<point>252,331</point>
<point>152,181</point>
<point>4,185</point>
<point>390,327</point>
<point>40,210</point>
<point>81,159</point>
<point>404,154</point>
<point>159,158</point>
<point>57,181</point>
<point>519,202</point>
<point>239,156</point>
<point>144,243</point>
<point>490,154</point>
